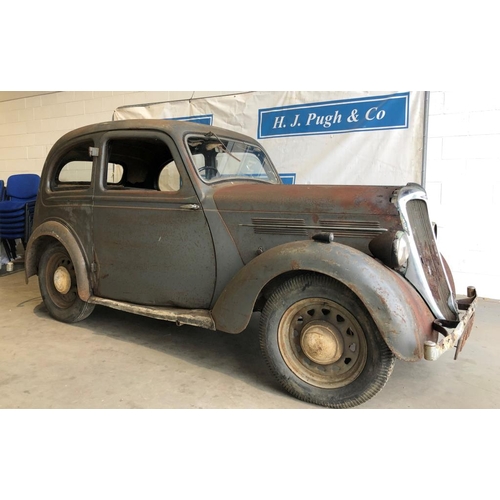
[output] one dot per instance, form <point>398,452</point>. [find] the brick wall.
<point>29,127</point>
<point>463,183</point>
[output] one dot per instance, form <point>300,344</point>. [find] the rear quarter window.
<point>74,168</point>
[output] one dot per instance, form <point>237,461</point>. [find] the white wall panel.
<point>464,161</point>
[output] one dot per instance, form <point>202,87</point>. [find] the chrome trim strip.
<point>319,228</point>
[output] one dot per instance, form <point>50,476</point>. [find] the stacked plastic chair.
<point>16,210</point>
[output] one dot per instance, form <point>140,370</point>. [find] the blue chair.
<point>17,209</point>
<point>2,189</point>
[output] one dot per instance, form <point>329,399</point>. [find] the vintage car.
<point>191,223</point>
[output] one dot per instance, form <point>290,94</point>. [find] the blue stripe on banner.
<point>204,119</point>
<point>334,117</point>
<point>288,178</point>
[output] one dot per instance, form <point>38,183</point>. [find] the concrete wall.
<point>463,162</point>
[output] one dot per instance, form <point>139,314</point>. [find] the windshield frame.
<point>267,166</point>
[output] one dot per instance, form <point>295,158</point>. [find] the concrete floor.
<point>118,360</point>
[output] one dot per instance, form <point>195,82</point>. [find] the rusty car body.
<point>191,224</point>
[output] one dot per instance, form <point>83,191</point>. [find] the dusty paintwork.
<point>264,216</point>
<point>191,224</point>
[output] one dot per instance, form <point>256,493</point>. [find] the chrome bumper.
<point>454,332</point>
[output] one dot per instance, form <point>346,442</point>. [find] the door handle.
<point>190,206</point>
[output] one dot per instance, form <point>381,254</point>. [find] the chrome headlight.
<point>401,248</point>
<point>392,248</point>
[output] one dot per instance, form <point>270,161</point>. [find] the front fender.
<point>403,318</point>
<point>56,230</point>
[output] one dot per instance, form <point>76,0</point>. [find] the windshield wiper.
<point>222,144</point>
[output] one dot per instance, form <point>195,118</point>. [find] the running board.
<point>193,317</point>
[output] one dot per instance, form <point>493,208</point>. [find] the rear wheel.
<point>58,286</point>
<point>321,343</point>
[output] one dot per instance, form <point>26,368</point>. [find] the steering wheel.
<point>214,171</point>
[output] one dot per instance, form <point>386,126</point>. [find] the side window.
<point>141,163</point>
<point>74,169</point>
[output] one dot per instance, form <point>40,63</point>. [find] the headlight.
<point>401,248</point>
<point>392,248</point>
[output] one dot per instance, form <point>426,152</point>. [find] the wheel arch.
<point>44,235</point>
<point>401,315</point>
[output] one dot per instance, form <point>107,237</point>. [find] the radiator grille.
<point>429,255</point>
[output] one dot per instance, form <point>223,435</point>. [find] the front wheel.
<point>321,343</point>
<point>58,286</point>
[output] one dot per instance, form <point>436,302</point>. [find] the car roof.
<point>176,128</point>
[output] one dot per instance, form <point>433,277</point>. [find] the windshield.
<point>218,159</point>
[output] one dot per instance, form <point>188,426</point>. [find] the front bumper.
<point>453,332</point>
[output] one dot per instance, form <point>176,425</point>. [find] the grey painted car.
<point>190,223</point>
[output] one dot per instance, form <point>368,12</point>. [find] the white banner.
<point>324,137</point>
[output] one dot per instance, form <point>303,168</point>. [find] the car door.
<point>152,243</point>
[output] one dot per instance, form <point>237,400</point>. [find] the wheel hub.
<point>321,343</point>
<point>62,280</point>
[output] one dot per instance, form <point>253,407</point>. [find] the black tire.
<point>67,306</point>
<point>321,343</point>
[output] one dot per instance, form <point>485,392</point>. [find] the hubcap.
<point>321,343</point>
<point>62,280</point>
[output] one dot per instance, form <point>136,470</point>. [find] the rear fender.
<point>403,318</point>
<point>56,230</point>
